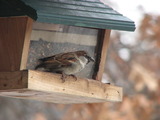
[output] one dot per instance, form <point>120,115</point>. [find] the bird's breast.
<point>74,68</point>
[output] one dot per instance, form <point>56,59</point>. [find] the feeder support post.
<point>15,35</point>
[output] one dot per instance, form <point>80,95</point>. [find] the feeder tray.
<point>48,87</point>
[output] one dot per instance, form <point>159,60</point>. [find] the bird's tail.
<point>39,66</point>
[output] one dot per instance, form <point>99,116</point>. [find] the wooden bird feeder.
<point>61,26</point>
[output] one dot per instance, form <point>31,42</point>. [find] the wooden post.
<point>103,43</point>
<point>15,35</point>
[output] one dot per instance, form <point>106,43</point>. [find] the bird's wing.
<point>48,58</point>
<point>61,56</point>
<point>59,60</point>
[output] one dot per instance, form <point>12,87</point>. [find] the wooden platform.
<point>49,87</point>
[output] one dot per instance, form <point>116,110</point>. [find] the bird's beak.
<point>90,59</point>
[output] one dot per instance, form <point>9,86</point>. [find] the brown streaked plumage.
<point>65,63</point>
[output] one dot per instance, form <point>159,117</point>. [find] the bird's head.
<point>85,54</point>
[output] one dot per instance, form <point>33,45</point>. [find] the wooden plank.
<point>78,39</point>
<point>47,27</point>
<point>13,80</point>
<point>53,97</point>
<point>48,87</point>
<point>26,43</point>
<point>14,33</point>
<point>103,43</point>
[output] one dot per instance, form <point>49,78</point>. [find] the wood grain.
<point>13,80</point>
<point>48,87</point>
<point>14,33</point>
<point>26,43</point>
<point>103,44</point>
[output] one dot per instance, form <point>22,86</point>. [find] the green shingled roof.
<point>84,13</point>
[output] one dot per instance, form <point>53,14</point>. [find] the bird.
<point>67,64</point>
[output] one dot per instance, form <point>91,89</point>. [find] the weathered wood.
<point>26,43</point>
<point>13,80</point>
<point>102,53</point>
<point>48,87</point>
<point>14,42</point>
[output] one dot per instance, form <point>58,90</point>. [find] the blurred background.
<point>133,62</point>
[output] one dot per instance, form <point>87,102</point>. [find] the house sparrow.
<point>65,63</point>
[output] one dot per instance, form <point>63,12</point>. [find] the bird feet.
<point>73,77</point>
<point>64,76</point>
